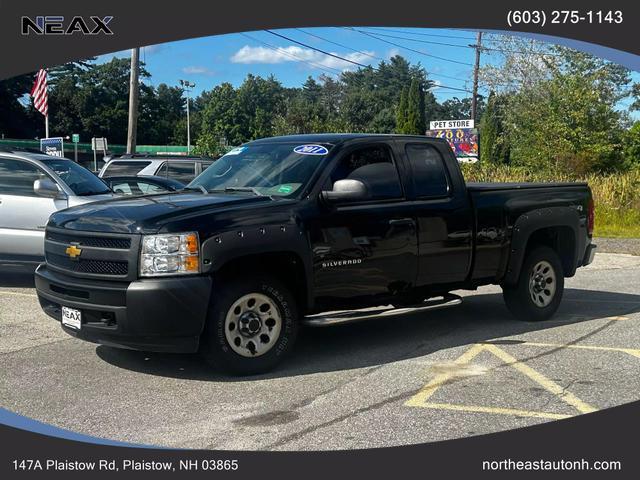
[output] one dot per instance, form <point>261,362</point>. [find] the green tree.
<point>401,113</point>
<point>17,119</point>
<point>415,123</point>
<point>494,144</point>
<point>631,142</point>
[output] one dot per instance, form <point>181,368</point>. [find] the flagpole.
<point>46,126</point>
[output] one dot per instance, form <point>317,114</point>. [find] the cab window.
<point>428,171</point>
<point>373,166</point>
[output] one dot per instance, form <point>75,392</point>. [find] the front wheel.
<point>252,324</point>
<point>537,294</point>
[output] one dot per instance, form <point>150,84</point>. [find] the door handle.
<point>397,222</point>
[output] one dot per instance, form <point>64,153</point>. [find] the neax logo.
<point>56,25</point>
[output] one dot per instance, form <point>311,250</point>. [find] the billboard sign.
<point>52,146</point>
<point>461,136</point>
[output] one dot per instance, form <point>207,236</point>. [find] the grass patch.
<point>616,196</point>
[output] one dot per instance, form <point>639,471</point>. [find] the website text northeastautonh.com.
<point>551,465</point>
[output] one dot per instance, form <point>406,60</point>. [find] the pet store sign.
<point>461,135</point>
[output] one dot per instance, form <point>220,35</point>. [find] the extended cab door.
<point>368,248</point>
<point>444,216</point>
<point>23,214</point>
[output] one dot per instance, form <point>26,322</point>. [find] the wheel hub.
<point>250,324</point>
<point>542,284</point>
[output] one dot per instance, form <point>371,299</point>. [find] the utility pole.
<point>133,101</point>
<point>187,85</point>
<point>476,67</point>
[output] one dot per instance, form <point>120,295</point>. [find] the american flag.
<point>39,92</point>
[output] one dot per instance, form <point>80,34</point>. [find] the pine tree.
<point>415,124</point>
<point>401,113</point>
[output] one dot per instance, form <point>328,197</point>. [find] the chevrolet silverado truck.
<point>306,229</point>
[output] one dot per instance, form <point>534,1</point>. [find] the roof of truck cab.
<point>335,138</point>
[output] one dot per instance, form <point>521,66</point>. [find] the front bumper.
<point>156,314</point>
<point>589,254</point>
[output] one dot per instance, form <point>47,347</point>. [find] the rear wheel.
<point>252,325</point>
<point>537,294</point>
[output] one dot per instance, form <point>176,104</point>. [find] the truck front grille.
<point>96,255</point>
<point>100,242</point>
<point>99,267</point>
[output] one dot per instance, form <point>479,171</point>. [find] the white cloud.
<point>252,55</point>
<point>393,52</point>
<point>197,70</point>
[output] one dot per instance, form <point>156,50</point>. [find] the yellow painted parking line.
<point>18,294</point>
<point>630,351</point>
<point>429,389</point>
<point>500,411</point>
<point>420,398</point>
<point>546,383</point>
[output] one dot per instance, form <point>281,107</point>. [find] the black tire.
<point>520,297</point>
<point>215,346</point>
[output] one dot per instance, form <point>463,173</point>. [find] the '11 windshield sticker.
<point>311,150</point>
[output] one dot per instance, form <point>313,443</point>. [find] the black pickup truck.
<point>316,229</point>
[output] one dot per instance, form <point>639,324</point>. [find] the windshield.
<point>275,169</point>
<point>77,178</point>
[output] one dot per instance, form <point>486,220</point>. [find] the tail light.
<point>591,217</point>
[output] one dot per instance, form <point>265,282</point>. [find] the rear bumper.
<point>589,253</point>
<point>159,315</point>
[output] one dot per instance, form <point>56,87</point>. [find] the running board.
<point>347,316</point>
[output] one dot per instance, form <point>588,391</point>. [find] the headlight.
<point>171,254</point>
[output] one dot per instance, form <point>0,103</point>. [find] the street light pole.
<point>187,85</point>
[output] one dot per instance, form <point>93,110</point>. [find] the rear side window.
<point>375,168</point>
<point>123,168</point>
<point>182,171</point>
<point>429,174</point>
<point>17,177</point>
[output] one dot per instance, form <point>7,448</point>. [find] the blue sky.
<point>209,61</point>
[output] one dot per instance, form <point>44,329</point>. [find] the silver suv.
<point>32,187</point>
<point>178,167</point>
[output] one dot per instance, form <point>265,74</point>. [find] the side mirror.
<point>46,187</point>
<point>346,191</point>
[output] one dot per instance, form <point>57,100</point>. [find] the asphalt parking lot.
<point>464,371</point>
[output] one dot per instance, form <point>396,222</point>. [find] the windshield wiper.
<point>198,187</point>
<point>244,189</point>
<point>89,194</point>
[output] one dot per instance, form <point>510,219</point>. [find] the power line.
<point>295,57</point>
<point>408,48</point>
<point>436,35</point>
<point>339,44</point>
<point>319,50</point>
<point>372,56</point>
<point>486,49</point>
<point>430,42</point>
<point>348,60</point>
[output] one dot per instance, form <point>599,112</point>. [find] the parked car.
<point>142,185</point>
<point>32,187</point>
<point>290,230</point>
<point>179,167</point>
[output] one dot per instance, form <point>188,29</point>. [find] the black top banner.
<point>41,34</point>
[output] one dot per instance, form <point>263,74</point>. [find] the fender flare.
<point>528,223</point>
<point>284,238</point>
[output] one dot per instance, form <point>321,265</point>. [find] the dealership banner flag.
<point>40,97</point>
